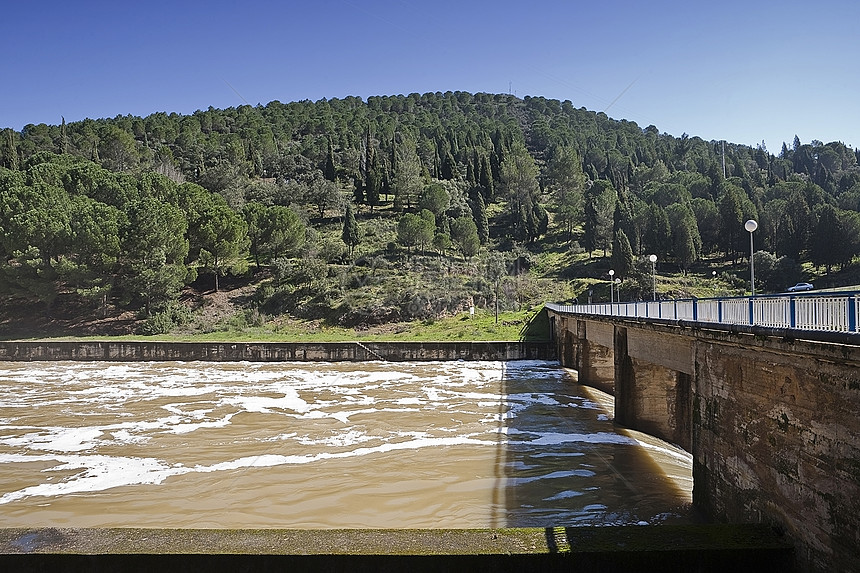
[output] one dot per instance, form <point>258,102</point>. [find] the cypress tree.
<point>358,191</point>
<point>350,233</point>
<point>486,178</point>
<point>12,150</point>
<point>64,140</point>
<point>479,213</point>
<point>374,180</point>
<point>622,255</point>
<point>329,171</point>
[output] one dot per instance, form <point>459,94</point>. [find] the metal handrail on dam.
<point>823,312</point>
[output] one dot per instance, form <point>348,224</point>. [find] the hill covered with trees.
<point>399,208</point>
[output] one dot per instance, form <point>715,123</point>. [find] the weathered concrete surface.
<point>772,424</point>
<point>668,350</point>
<point>777,440</point>
<point>274,351</point>
<point>682,548</point>
<point>650,396</point>
<point>595,358</point>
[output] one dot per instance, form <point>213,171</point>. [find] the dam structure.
<point>529,444</point>
<point>273,351</point>
<point>763,392</point>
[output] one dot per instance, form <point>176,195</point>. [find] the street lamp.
<point>751,226</point>
<point>653,259</point>
<point>611,286</point>
<point>618,290</point>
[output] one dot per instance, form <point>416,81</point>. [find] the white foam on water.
<point>99,473</point>
<point>667,450</point>
<point>106,472</point>
<point>267,405</point>
<point>57,439</point>
<point>554,438</point>
<point>595,507</point>
<point>129,438</point>
<point>432,394</point>
<point>349,438</point>
<point>187,427</point>
<point>530,399</point>
<point>493,398</point>
<point>568,494</point>
<point>269,460</point>
<point>460,403</point>
<point>554,475</point>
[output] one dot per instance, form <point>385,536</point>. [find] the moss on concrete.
<point>657,548</point>
<point>389,541</point>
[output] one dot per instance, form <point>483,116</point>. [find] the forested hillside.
<point>401,207</point>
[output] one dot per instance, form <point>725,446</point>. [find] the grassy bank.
<point>481,326</point>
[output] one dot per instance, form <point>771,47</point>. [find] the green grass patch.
<point>481,326</point>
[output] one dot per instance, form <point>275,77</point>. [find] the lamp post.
<point>611,286</point>
<point>653,259</point>
<point>618,290</point>
<point>751,226</point>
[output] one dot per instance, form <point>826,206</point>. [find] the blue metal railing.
<point>827,312</point>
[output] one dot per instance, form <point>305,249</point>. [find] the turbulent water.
<point>323,445</point>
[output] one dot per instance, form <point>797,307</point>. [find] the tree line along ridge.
<point>380,209</point>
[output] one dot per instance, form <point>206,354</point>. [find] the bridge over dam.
<point>768,411</point>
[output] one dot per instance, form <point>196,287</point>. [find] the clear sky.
<point>744,71</point>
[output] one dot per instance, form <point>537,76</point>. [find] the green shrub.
<point>164,321</point>
<point>159,323</point>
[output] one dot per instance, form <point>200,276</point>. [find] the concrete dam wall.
<point>274,351</point>
<point>772,422</point>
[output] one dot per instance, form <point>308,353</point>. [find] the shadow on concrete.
<point>537,329</point>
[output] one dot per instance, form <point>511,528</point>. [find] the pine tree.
<point>600,202</point>
<point>824,249</point>
<point>566,182</point>
<point>519,180</point>
<point>407,175</point>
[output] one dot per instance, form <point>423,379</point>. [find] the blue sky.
<point>743,71</point>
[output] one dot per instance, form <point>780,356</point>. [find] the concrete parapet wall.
<point>274,351</point>
<point>772,423</point>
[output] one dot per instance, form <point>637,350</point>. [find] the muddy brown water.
<point>324,445</point>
